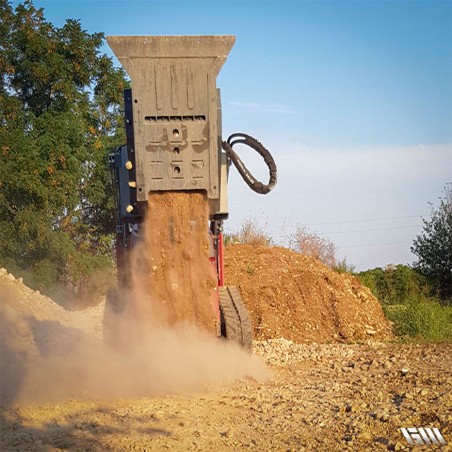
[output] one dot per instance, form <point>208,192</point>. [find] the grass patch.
<point>421,319</point>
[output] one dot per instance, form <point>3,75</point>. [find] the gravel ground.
<point>320,397</point>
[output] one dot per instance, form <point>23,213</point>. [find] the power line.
<point>364,230</point>
<point>376,229</point>
<point>366,220</point>
<point>372,244</point>
<point>347,222</point>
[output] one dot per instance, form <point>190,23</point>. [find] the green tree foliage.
<point>60,115</point>
<point>395,284</point>
<point>404,295</point>
<point>433,247</point>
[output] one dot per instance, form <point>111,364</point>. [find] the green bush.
<point>342,266</point>
<point>403,294</point>
<point>394,284</point>
<point>421,318</point>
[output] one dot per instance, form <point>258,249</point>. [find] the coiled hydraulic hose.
<point>253,183</point>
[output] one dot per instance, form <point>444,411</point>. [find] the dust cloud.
<point>169,361</point>
<point>165,341</point>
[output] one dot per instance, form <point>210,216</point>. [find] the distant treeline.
<point>410,302</point>
<point>395,284</point>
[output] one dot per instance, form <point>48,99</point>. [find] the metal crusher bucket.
<point>176,112</point>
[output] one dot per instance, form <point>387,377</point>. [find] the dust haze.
<point>165,341</point>
<point>169,361</point>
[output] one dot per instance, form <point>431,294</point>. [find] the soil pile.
<point>296,297</point>
<point>34,328</point>
<point>172,274</point>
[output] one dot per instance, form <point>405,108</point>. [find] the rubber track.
<point>236,318</point>
<point>245,321</point>
<point>231,328</point>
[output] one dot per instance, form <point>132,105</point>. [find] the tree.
<point>395,284</point>
<point>60,104</point>
<point>433,246</point>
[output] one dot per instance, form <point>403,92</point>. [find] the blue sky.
<point>353,98</point>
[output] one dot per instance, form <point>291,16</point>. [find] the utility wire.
<point>345,222</point>
<point>376,229</point>
<point>372,244</point>
<point>366,220</point>
<point>358,230</point>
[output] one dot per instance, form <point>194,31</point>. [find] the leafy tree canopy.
<point>433,246</point>
<point>60,110</point>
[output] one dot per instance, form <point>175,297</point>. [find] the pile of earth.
<point>32,327</point>
<point>296,297</point>
<point>35,320</point>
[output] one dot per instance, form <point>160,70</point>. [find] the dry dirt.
<point>61,390</point>
<point>296,297</point>
<point>172,276</point>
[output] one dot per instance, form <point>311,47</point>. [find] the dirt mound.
<point>296,297</point>
<point>33,327</point>
<point>172,275</point>
<point>32,306</point>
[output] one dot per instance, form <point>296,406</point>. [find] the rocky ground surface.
<point>319,397</point>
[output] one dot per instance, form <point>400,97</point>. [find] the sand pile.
<point>296,297</point>
<point>34,328</point>
<point>35,314</point>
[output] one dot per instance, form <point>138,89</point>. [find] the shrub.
<point>421,318</point>
<point>251,233</point>
<point>394,284</point>
<point>304,241</point>
<point>343,267</point>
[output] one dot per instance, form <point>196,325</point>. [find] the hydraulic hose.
<point>252,182</point>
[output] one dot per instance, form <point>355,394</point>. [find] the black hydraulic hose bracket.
<point>252,182</point>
